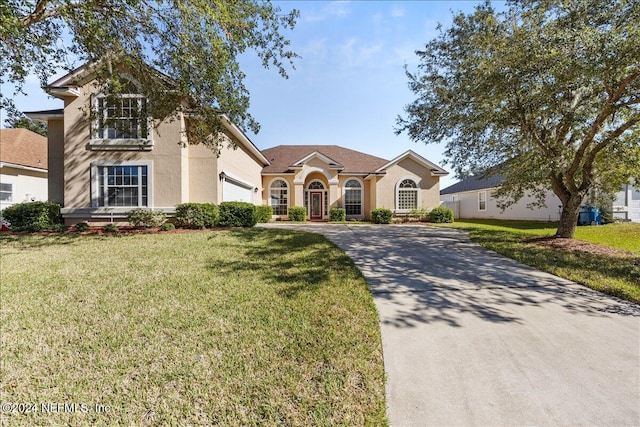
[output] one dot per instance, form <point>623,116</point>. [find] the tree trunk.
<point>569,217</point>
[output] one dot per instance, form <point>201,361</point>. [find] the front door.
<point>316,204</point>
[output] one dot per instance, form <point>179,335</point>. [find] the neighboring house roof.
<point>473,183</point>
<point>45,115</point>
<point>23,147</point>
<point>284,158</point>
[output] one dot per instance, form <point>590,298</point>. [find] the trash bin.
<point>594,216</point>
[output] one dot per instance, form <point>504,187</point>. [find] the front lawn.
<point>235,327</point>
<point>615,274</point>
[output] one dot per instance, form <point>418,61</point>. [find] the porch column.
<point>334,194</point>
<point>298,199</point>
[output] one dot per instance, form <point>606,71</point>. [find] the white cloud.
<point>334,9</point>
<point>397,12</point>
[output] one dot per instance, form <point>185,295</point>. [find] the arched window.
<point>121,114</point>
<point>353,197</point>
<point>407,195</point>
<point>279,196</point>
<point>316,185</point>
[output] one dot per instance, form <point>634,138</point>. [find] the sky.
<point>349,84</point>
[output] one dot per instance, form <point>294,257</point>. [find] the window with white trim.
<point>407,197</point>
<point>121,118</point>
<point>6,192</point>
<point>279,196</point>
<point>123,185</point>
<point>353,197</point>
<point>482,201</point>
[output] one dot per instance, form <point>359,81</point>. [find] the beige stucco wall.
<point>203,175</point>
<point>429,197</point>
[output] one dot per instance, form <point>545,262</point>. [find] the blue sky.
<point>349,85</point>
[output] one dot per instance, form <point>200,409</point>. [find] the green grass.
<point>238,327</point>
<point>617,275</point>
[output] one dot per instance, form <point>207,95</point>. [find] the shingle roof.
<point>284,156</point>
<point>23,147</point>
<point>473,183</point>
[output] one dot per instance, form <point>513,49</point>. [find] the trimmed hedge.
<point>264,213</point>
<point>381,216</point>
<point>440,215</point>
<point>197,215</point>
<point>237,214</point>
<point>33,216</point>
<point>338,215</point>
<point>146,218</point>
<point>297,213</point>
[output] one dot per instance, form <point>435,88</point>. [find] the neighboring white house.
<point>23,167</point>
<point>473,198</point>
<point>626,205</point>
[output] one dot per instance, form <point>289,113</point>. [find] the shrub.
<point>33,216</point>
<point>167,226</point>
<point>237,214</point>
<point>82,226</point>
<point>421,214</point>
<point>337,215</point>
<point>297,213</point>
<point>440,215</point>
<point>59,228</point>
<point>381,216</point>
<point>197,215</point>
<point>264,213</point>
<point>110,228</point>
<point>141,218</point>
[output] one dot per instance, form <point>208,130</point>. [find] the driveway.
<point>473,338</point>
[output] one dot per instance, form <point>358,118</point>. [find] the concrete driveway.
<point>473,338</point>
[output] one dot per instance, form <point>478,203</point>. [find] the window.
<point>353,197</point>
<point>407,198</point>
<point>6,192</point>
<point>120,120</point>
<point>279,197</point>
<point>482,201</point>
<point>125,183</point>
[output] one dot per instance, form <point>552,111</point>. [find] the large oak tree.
<point>192,44</point>
<point>544,92</point>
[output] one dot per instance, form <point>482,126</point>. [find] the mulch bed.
<point>576,246</point>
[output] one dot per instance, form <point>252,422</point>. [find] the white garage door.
<point>234,191</point>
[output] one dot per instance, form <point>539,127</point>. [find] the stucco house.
<point>99,171</point>
<point>23,167</point>
<point>473,198</point>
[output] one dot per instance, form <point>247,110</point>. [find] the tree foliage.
<point>194,45</point>
<point>545,93</point>
<point>16,119</point>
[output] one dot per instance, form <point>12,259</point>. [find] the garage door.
<point>234,191</point>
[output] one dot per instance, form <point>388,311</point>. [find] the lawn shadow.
<point>296,261</point>
<point>36,240</point>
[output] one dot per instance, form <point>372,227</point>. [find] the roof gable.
<point>435,169</point>
<point>23,147</point>
<point>318,155</point>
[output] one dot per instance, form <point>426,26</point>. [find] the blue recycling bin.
<point>589,216</point>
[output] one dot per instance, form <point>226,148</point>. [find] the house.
<point>319,177</point>
<point>23,167</point>
<point>473,198</point>
<point>104,160</point>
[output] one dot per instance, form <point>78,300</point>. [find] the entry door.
<point>316,204</point>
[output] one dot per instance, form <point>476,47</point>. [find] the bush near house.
<point>441,215</point>
<point>197,215</point>
<point>33,216</point>
<point>82,226</point>
<point>146,218</point>
<point>297,213</point>
<point>381,216</point>
<point>237,214</point>
<point>338,214</point>
<point>264,213</point>
<point>421,214</point>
